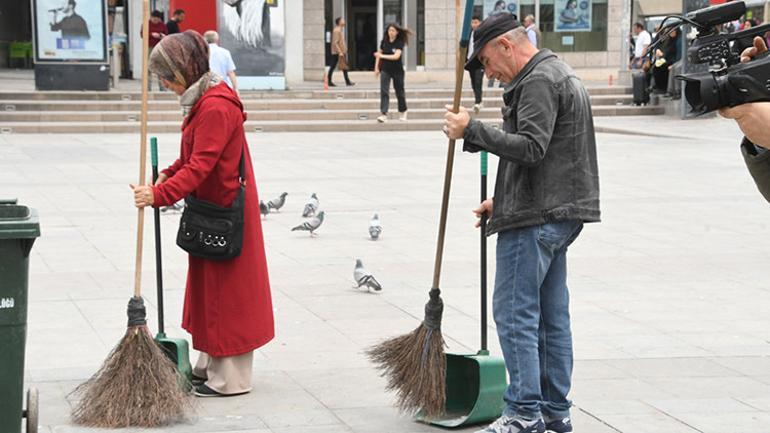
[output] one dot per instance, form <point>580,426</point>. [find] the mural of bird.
<point>249,21</point>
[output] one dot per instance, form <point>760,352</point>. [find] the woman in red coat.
<point>227,308</point>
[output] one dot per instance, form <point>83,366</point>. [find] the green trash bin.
<point>19,227</point>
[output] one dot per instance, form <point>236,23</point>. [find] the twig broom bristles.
<point>137,385</point>
<point>414,364</point>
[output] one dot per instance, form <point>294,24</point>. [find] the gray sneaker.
<point>563,425</point>
<point>506,424</point>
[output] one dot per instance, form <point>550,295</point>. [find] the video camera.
<point>728,82</point>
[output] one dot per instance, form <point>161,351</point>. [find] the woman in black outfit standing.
<point>390,66</point>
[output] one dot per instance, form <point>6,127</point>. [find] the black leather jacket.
<point>547,148</point>
<point>758,162</point>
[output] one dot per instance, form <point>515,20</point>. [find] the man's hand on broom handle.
<point>484,208</point>
<point>455,123</point>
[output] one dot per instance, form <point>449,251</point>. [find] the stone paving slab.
<point>669,300</point>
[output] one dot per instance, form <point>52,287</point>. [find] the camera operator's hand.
<point>753,117</point>
<point>758,48</point>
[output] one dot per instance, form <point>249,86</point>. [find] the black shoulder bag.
<point>213,232</point>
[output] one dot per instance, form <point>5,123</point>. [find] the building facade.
<point>586,33</point>
<point>596,42</point>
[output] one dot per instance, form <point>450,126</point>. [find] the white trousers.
<point>228,375</point>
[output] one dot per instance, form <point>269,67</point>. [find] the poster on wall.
<point>67,30</point>
<point>254,32</point>
<point>572,15</point>
<point>493,7</point>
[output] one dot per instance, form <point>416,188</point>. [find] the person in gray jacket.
<point>547,187</point>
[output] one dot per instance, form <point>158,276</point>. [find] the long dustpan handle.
<point>158,254</point>
<point>459,69</point>
<point>142,146</point>
<point>483,231</point>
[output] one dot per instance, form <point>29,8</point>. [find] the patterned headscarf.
<point>183,58</point>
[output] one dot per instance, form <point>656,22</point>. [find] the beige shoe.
<point>403,117</point>
<point>478,107</point>
<point>383,118</point>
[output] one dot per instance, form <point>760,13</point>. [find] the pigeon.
<point>375,228</point>
<point>312,224</point>
<point>176,207</point>
<point>263,208</point>
<point>277,203</point>
<point>365,278</point>
<point>311,206</point>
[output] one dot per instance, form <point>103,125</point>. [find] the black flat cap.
<point>489,29</point>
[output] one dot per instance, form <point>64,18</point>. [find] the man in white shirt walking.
<point>643,40</point>
<point>220,60</point>
<point>533,33</point>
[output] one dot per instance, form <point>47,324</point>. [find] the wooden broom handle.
<point>143,144</point>
<point>459,71</point>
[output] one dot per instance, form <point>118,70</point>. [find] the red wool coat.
<point>228,308</point>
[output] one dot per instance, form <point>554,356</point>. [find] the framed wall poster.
<point>493,7</point>
<point>254,32</point>
<point>572,15</point>
<point>69,30</point>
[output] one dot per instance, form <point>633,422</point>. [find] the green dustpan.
<point>475,383</point>
<point>177,349</point>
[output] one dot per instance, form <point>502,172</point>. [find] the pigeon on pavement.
<point>365,278</point>
<point>176,207</point>
<point>375,228</point>
<point>311,225</point>
<point>277,203</point>
<point>311,206</point>
<point>263,208</point>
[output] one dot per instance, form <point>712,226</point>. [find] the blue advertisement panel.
<point>572,15</point>
<point>492,7</point>
<point>69,30</point>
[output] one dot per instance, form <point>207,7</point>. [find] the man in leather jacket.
<point>547,187</point>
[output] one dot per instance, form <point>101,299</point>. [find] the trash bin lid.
<point>18,222</point>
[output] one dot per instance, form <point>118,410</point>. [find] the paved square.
<point>669,293</point>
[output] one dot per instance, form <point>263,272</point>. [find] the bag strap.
<point>242,166</point>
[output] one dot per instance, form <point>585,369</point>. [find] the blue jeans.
<point>531,310</point>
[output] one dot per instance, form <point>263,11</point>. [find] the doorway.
<point>362,33</point>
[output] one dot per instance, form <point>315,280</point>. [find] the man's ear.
<point>504,44</point>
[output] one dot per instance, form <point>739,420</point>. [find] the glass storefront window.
<point>392,12</point>
<point>526,7</point>
<point>573,25</point>
<point>478,8</point>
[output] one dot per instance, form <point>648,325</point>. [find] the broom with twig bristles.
<point>415,364</point>
<point>137,386</point>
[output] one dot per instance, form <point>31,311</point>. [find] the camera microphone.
<point>713,15</point>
